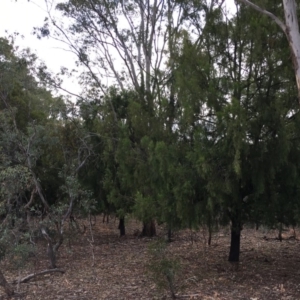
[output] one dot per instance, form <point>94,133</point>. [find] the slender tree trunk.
<point>51,249</point>
<point>7,288</point>
<point>210,230</point>
<point>280,232</point>
<point>51,255</point>
<point>105,218</point>
<point>209,235</point>
<point>256,226</point>
<point>122,226</point>
<point>234,253</point>
<point>169,235</point>
<point>149,229</point>
<point>294,231</point>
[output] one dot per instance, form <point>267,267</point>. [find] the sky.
<point>22,16</point>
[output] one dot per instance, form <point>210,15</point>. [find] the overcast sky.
<point>21,16</point>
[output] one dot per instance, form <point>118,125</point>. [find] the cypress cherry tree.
<point>242,140</point>
<point>290,27</point>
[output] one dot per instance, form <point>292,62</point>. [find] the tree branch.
<point>267,13</point>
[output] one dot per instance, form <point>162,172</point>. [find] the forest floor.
<point>268,268</point>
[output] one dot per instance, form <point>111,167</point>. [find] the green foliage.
<point>14,179</point>
<point>163,269</point>
<point>208,139</point>
<point>43,148</point>
<point>15,246</point>
<point>19,255</point>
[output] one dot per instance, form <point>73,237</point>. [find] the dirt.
<point>268,268</point>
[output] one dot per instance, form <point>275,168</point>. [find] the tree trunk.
<point>292,32</point>
<point>234,254</point>
<point>122,226</point>
<point>105,218</point>
<point>169,235</point>
<point>7,288</point>
<point>51,255</point>
<point>210,229</point>
<point>256,226</point>
<point>209,235</point>
<point>149,229</point>
<point>51,250</point>
<point>280,232</point>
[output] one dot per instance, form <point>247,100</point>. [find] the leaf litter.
<point>268,269</point>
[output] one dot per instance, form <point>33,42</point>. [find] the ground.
<point>268,268</point>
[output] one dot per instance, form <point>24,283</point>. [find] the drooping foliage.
<point>199,130</point>
<point>199,126</point>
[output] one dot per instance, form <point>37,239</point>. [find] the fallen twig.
<point>30,276</point>
<point>191,296</point>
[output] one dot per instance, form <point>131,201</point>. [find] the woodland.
<point>180,151</point>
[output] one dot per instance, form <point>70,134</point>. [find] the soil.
<point>268,268</point>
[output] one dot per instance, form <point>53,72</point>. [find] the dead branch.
<point>33,275</point>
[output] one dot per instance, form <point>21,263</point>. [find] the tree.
<point>242,109</point>
<point>137,34</point>
<point>23,109</point>
<point>291,29</point>
<point>43,148</point>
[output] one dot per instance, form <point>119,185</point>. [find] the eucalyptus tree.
<point>127,43</point>
<point>123,42</point>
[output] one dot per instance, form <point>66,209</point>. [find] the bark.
<point>122,226</point>
<point>234,253</point>
<point>149,229</point>
<point>7,288</point>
